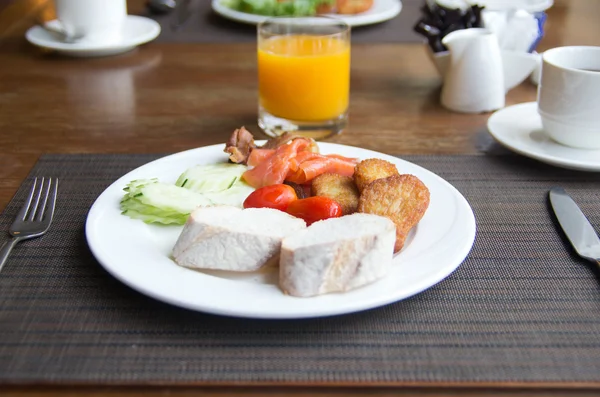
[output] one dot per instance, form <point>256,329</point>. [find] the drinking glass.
<point>303,75</point>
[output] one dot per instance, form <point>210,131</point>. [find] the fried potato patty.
<point>339,188</point>
<point>401,198</point>
<point>369,170</point>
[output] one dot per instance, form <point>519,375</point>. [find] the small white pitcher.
<point>474,81</point>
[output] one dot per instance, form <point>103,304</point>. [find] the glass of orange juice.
<point>303,75</point>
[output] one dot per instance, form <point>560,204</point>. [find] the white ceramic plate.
<point>136,31</point>
<point>138,254</point>
<point>381,11</point>
<point>519,128</point>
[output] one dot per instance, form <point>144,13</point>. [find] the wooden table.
<point>170,97</point>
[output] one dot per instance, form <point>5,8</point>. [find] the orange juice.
<point>304,77</point>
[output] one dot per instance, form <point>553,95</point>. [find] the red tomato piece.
<point>314,209</point>
<point>277,196</point>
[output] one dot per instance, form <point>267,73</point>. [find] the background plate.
<point>381,11</point>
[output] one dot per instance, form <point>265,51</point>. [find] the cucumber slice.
<point>155,202</point>
<point>135,185</point>
<point>171,198</point>
<point>211,177</point>
<point>136,205</point>
<point>151,218</point>
<point>233,196</point>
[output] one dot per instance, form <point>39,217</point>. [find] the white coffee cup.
<point>93,21</point>
<point>569,96</point>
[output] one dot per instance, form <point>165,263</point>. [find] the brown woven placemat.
<point>521,308</point>
<point>202,25</point>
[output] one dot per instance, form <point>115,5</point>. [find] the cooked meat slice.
<point>401,198</point>
<point>239,145</point>
<point>339,188</point>
<point>336,254</point>
<point>371,169</point>
<point>229,238</point>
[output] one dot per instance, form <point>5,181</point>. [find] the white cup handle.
<point>61,32</point>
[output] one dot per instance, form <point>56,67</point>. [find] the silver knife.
<point>576,226</point>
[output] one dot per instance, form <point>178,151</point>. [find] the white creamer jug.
<point>474,79</point>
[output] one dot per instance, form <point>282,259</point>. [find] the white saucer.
<point>519,128</point>
<point>136,30</point>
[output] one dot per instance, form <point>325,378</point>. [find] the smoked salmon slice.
<point>273,169</point>
<point>257,156</point>
<point>317,165</point>
<point>294,162</point>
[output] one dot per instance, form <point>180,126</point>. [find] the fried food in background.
<point>401,198</point>
<point>371,169</point>
<point>326,8</point>
<point>353,6</point>
<point>339,188</point>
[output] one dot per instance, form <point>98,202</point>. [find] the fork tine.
<point>42,208</point>
<point>36,202</point>
<point>25,207</point>
<point>51,203</point>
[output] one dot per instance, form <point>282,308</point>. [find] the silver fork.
<point>35,216</point>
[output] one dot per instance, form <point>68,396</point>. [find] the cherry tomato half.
<point>273,196</point>
<point>314,209</point>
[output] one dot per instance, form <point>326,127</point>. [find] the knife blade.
<point>575,224</point>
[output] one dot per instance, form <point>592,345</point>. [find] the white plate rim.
<point>36,33</point>
<point>444,258</point>
<point>529,109</point>
<point>367,18</point>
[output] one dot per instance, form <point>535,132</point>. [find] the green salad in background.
<point>277,7</point>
